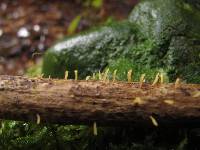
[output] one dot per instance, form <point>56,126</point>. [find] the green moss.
<point>123,65</point>
<point>34,70</point>
<point>173,27</point>
<point>90,51</point>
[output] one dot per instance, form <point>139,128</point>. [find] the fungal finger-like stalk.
<point>95,129</point>
<point>105,76</point>
<point>114,75</point>
<point>76,74</point>
<point>38,118</point>
<point>40,76</point>
<point>177,83</point>
<point>93,76</point>
<point>155,123</point>
<point>49,76</point>
<point>142,80</point>
<point>138,101</point>
<point>161,78</point>
<point>196,94</point>
<point>156,79</point>
<point>169,102</point>
<point>100,75</point>
<point>87,78</point>
<point>66,74</point>
<point>129,75</point>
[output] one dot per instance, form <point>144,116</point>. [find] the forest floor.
<point>30,27</point>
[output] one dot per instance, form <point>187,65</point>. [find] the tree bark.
<point>103,102</point>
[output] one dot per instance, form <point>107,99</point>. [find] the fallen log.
<point>104,102</point>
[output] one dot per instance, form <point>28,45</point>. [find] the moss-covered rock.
<point>90,51</point>
<point>173,27</point>
<point>160,34</point>
<point>160,20</point>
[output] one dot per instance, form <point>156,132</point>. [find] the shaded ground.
<point>31,26</point>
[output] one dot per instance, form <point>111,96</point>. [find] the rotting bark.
<point>104,102</point>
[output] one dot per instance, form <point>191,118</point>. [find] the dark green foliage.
<point>20,135</point>
<point>195,3</point>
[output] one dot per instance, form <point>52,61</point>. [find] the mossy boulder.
<point>161,34</point>
<point>173,27</point>
<point>90,51</point>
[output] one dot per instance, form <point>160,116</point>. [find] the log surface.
<point>104,102</point>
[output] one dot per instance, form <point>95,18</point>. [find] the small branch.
<point>103,102</point>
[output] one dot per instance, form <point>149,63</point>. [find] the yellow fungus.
<point>66,74</point>
<point>138,101</point>
<point>168,101</point>
<point>177,83</point>
<point>40,76</point>
<point>72,96</point>
<point>95,128</point>
<point>49,76</point>
<point>155,123</point>
<point>196,94</point>
<point>105,76</point>
<point>156,79</point>
<point>142,80</point>
<point>114,75</point>
<point>100,75</point>
<point>38,118</point>
<point>93,76</point>
<point>76,74</point>
<point>129,74</point>
<point>88,78</point>
<point>161,78</point>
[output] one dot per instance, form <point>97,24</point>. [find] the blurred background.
<point>29,27</point>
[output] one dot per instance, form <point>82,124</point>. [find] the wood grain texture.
<point>104,102</point>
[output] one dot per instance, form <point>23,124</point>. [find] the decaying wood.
<point>106,103</point>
